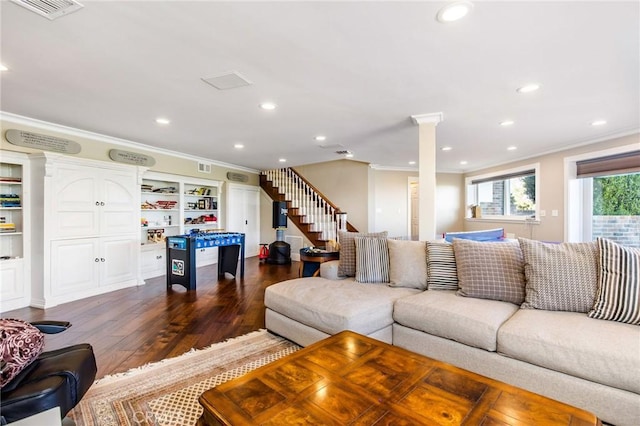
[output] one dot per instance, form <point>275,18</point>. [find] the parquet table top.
<point>349,379</point>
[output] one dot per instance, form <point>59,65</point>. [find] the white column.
<point>427,173</point>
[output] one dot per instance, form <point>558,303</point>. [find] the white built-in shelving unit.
<point>15,288</point>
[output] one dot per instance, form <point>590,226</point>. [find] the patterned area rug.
<point>166,393</point>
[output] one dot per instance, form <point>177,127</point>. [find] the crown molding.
<point>71,131</point>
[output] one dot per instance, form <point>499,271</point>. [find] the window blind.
<point>507,176</point>
<point>624,163</point>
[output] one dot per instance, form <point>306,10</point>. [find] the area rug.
<point>167,392</point>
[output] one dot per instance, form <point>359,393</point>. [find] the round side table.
<point>310,261</point>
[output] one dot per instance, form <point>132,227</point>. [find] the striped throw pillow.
<point>618,297</point>
<point>347,262</point>
<point>441,266</point>
<point>372,260</point>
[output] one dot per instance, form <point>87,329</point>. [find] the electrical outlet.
<point>554,213</point>
<point>543,213</point>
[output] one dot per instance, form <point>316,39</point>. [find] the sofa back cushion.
<point>407,264</point>
<point>347,265</point>
<point>560,277</point>
<point>490,270</point>
<point>372,260</point>
<point>441,266</point>
<point>618,296</point>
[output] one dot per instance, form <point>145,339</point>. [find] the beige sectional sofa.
<point>589,363</point>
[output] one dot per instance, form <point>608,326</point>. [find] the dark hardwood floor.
<point>137,325</point>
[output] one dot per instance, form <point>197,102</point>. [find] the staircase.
<point>316,217</point>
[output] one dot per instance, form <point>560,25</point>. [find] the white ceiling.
<point>353,71</point>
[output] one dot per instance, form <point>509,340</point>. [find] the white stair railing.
<point>317,212</point>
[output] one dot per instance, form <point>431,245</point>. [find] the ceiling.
<point>352,71</point>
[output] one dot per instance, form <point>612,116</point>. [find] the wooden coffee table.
<point>349,379</point>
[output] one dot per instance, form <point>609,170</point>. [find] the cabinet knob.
<point>97,260</point>
<point>158,257</point>
<point>102,203</point>
<point>102,259</point>
<point>97,203</point>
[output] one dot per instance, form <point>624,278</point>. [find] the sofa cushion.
<point>441,266</point>
<point>347,264</point>
<point>333,306</point>
<point>372,260</point>
<point>474,322</point>
<point>407,264</point>
<point>601,351</point>
<point>618,297</point>
<point>490,270</point>
<point>560,277</point>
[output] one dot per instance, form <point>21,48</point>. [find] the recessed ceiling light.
<point>463,162</point>
<point>162,120</point>
<point>320,138</point>
<point>238,146</point>
<point>512,148</point>
<point>268,106</point>
<point>412,162</point>
<point>3,68</point>
<point>283,160</point>
<point>506,123</point>
<point>454,11</point>
<point>531,87</point>
<point>599,123</point>
<point>446,148</point>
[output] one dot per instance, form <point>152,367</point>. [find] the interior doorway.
<point>413,208</point>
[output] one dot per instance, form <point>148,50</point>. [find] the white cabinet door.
<point>74,266</point>
<point>243,215</point>
<point>12,291</point>
<point>206,256</point>
<point>118,263</point>
<point>75,203</point>
<point>88,201</point>
<point>119,207</point>
<point>152,262</point>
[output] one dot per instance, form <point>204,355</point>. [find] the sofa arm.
<point>329,270</point>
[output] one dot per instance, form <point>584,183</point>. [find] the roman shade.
<point>624,163</point>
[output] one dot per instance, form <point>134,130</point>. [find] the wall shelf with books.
<point>175,205</point>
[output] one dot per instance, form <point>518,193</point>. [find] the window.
<point>509,194</point>
<point>604,196</point>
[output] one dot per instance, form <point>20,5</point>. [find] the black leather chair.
<point>58,378</point>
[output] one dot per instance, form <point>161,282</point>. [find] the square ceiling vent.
<point>229,80</point>
<point>50,9</point>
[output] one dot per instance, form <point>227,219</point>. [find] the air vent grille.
<point>343,152</point>
<point>204,168</point>
<point>50,9</point>
<point>228,80</point>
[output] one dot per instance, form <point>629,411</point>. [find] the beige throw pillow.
<point>560,277</point>
<point>407,264</point>
<point>490,270</point>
